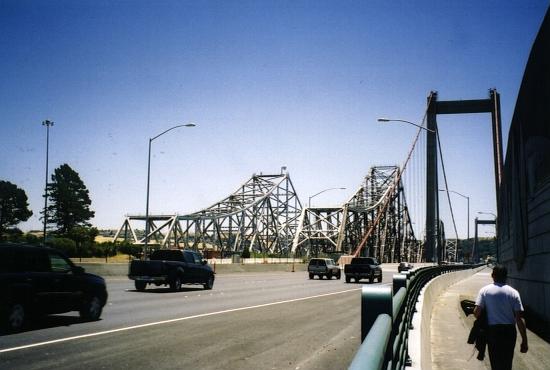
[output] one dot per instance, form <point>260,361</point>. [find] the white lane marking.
<point>172,320</point>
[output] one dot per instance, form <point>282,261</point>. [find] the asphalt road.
<point>248,321</point>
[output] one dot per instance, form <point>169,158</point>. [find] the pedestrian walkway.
<point>450,329</point>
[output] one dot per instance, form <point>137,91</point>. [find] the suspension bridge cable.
<point>446,184</point>
<point>395,185</point>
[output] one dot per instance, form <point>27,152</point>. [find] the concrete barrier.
<point>105,269</point>
<point>420,350</point>
<point>121,269</point>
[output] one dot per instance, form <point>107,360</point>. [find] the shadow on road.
<point>46,322</point>
<point>166,290</point>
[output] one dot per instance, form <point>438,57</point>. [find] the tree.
<point>13,206</point>
<point>84,237</point>
<point>246,252</point>
<point>82,234</point>
<point>70,200</point>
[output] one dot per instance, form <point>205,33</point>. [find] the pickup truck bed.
<point>363,268</point>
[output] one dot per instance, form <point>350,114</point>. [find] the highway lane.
<point>271,329</point>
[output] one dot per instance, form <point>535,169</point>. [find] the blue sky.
<point>268,83</point>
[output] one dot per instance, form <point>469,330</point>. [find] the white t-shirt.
<point>501,302</point>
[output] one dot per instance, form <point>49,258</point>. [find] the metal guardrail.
<point>386,318</point>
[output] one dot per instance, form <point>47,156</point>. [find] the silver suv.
<point>323,267</point>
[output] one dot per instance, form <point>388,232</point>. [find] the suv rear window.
<point>317,262</point>
<point>31,260</point>
<point>21,259</point>
<point>363,261</point>
<point>167,255</point>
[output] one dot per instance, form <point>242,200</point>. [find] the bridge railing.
<point>386,318</point>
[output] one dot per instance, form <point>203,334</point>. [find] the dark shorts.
<point>501,340</point>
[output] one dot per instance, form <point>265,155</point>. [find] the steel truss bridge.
<point>375,221</point>
<point>262,215</point>
<point>265,215</point>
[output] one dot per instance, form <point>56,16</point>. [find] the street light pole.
<point>145,246</point>
<point>432,250</point>
<point>468,203</point>
<point>46,123</point>
<point>402,120</point>
<point>321,192</point>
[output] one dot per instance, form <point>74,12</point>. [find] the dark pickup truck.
<point>172,267</point>
<point>40,281</point>
<point>363,268</point>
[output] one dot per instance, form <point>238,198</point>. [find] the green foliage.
<point>31,238</point>
<point>65,245</point>
<point>133,250</point>
<point>70,200</point>
<point>13,206</point>
<point>13,235</point>
<point>85,249</point>
<point>246,252</point>
<point>103,250</point>
<point>82,234</point>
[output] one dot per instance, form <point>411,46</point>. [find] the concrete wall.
<point>524,194</point>
<point>532,277</point>
<point>420,337</point>
<point>121,269</point>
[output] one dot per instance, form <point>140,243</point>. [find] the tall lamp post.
<point>46,123</point>
<point>149,181</point>
<point>321,192</point>
<point>384,120</point>
<point>432,250</point>
<point>468,204</point>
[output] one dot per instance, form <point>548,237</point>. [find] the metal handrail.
<point>370,354</point>
<point>385,343</point>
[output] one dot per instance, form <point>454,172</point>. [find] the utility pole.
<point>46,123</point>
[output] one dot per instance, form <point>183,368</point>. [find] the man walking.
<point>502,304</point>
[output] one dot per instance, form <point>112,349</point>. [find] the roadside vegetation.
<point>67,217</point>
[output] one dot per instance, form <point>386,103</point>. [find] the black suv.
<point>323,267</point>
<point>41,281</point>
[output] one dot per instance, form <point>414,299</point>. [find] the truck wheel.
<point>175,285</point>
<point>311,276</point>
<point>209,283</point>
<point>371,277</point>
<point>140,285</point>
<point>380,278</point>
<point>329,275</point>
<point>348,279</point>
<point>91,309</point>
<point>338,275</point>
